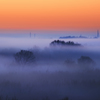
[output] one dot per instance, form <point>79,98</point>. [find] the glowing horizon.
<point>49,14</point>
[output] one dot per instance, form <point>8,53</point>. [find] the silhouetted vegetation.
<point>83,61</point>
<point>86,61</point>
<point>63,43</point>
<point>24,57</point>
<point>69,62</point>
<point>66,98</point>
<point>7,98</point>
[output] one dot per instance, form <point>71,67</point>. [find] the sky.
<point>49,14</point>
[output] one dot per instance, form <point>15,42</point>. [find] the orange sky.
<point>49,14</point>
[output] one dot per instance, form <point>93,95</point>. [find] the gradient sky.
<point>49,14</point>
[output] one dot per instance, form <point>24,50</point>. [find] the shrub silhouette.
<point>69,62</point>
<point>86,61</point>
<point>63,43</point>
<point>24,57</point>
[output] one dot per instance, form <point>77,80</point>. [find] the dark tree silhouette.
<point>63,43</point>
<point>69,62</point>
<point>57,42</point>
<point>86,61</point>
<point>70,43</point>
<point>24,57</point>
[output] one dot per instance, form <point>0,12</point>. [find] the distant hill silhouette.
<point>65,37</point>
<point>63,43</point>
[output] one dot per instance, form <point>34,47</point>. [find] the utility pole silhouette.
<point>97,33</point>
<point>30,34</point>
<point>34,35</point>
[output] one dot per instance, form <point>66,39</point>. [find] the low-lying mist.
<point>54,73</point>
